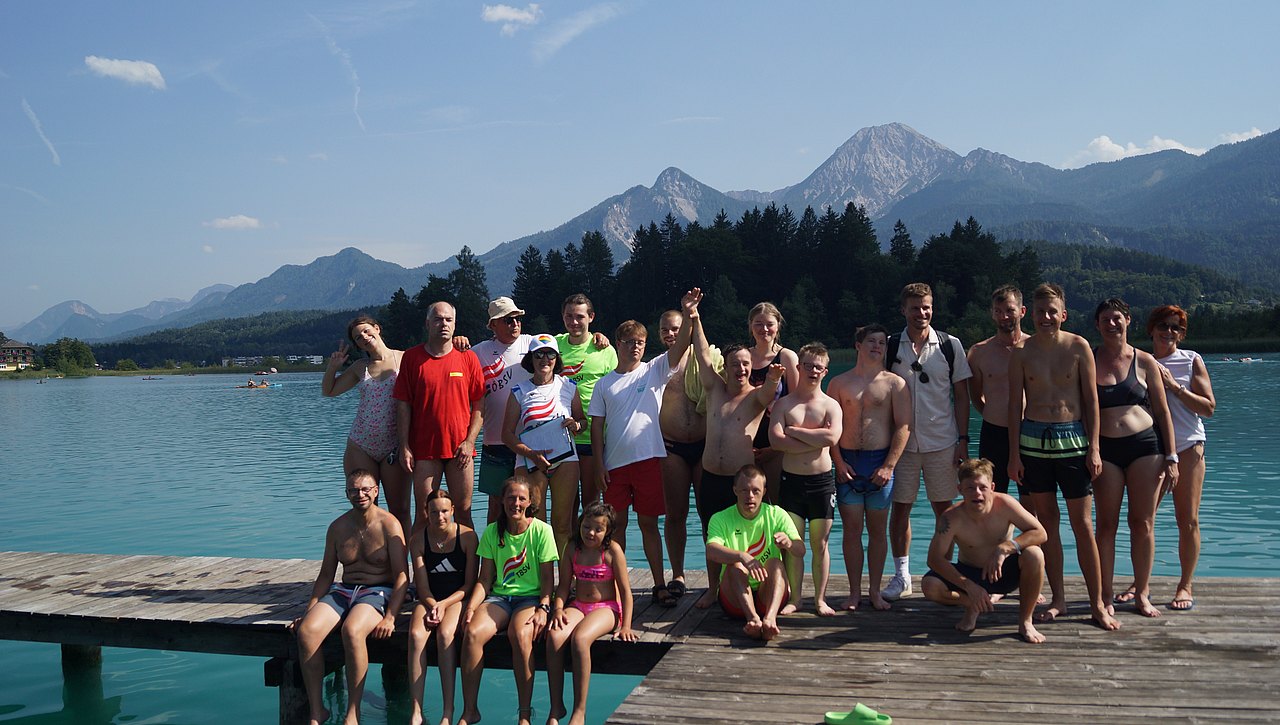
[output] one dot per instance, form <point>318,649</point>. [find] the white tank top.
<point>1188,428</point>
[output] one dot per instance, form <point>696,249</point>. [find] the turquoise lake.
<point>194,466</point>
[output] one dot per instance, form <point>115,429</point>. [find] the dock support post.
<point>286,674</point>
<point>82,681</point>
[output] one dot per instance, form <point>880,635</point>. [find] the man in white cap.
<point>499,358</point>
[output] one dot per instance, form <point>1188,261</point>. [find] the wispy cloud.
<point>39,127</point>
<point>133,72</point>
<point>345,58</point>
<point>512,19</point>
<point>1103,148</point>
<point>1231,137</point>
<point>693,119</point>
<point>318,156</point>
<point>236,221</point>
<point>207,249</point>
<point>279,159</point>
<point>33,287</point>
<point>33,194</point>
<point>563,32</point>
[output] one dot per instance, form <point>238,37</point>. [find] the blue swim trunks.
<point>344,598</point>
<point>861,491</point>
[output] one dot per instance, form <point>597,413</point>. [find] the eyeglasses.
<point>545,354</point>
<point>1170,327</point>
<point>366,490</point>
<point>813,368</point>
<point>916,367</point>
<point>513,320</point>
<point>638,342</point>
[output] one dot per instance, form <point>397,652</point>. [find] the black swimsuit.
<point>1126,392</point>
<point>758,376</point>
<point>446,571</point>
<point>1125,450</point>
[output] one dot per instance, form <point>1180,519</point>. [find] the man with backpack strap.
<point>933,364</point>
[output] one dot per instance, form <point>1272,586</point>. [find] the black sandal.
<point>667,601</point>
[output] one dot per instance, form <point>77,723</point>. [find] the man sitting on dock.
<point>991,564</point>
<point>749,538</point>
<point>369,543</point>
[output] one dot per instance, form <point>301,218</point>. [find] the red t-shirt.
<point>439,391</point>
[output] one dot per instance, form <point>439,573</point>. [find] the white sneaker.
<point>898,587</point>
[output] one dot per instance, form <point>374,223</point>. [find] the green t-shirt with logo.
<point>754,536</point>
<point>584,365</point>
<point>515,562</point>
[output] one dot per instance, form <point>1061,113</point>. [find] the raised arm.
<point>689,307</point>
<point>333,384</point>
<point>702,353</point>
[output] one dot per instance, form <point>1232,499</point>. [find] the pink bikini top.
<point>601,572</point>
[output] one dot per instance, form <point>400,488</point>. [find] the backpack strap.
<point>944,341</point>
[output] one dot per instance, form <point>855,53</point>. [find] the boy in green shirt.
<point>749,539</point>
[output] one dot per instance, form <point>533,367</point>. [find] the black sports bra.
<point>1126,392</point>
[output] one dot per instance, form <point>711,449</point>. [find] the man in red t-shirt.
<point>438,393</point>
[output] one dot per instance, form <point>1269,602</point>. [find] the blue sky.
<point>148,149</point>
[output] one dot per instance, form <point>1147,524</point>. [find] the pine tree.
<point>529,288</point>
<point>901,248</point>
<point>593,267</point>
<point>402,323</point>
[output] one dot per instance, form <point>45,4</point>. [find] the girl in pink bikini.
<point>602,604</point>
<point>371,444</point>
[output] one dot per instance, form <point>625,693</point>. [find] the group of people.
<point>770,457</point>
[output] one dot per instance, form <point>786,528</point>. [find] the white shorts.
<point>939,476</point>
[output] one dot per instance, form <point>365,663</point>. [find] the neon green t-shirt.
<point>516,572</point>
<point>584,365</point>
<point>754,536</point>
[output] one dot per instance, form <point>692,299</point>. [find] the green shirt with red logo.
<point>754,536</point>
<point>585,364</point>
<point>516,560</point>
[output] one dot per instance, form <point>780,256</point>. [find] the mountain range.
<point>1220,209</point>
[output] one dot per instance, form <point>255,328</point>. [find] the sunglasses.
<point>545,354</point>
<point>513,320</point>
<point>1170,327</point>
<point>916,367</point>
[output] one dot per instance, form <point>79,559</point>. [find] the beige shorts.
<point>939,476</point>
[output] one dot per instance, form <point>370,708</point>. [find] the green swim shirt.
<point>515,563</point>
<point>754,536</point>
<point>584,365</point>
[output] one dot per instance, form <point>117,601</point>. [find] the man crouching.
<point>991,564</point>
<point>369,543</point>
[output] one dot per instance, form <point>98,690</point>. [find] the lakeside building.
<point>15,355</point>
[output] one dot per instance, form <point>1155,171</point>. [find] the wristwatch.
<point>1171,458</point>
<point>544,607</point>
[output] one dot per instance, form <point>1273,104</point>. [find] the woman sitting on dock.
<point>371,444</point>
<point>444,570</point>
<point>516,598</point>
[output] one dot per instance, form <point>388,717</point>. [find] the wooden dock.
<point>1216,663</point>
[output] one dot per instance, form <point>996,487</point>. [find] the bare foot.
<point>753,628</point>
<point>707,600</point>
<point>320,719</point>
<point>524,716</point>
<point>1111,609</point>
<point>824,609</point>
<point>1029,634</point>
<point>1104,620</point>
<point>851,603</point>
<point>1142,605</point>
<point>968,622</point>
<point>878,602</point>
<point>788,609</point>
<point>995,597</point>
<point>1051,612</point>
<point>416,717</point>
<point>769,629</point>
<point>553,718</point>
<point>446,720</point>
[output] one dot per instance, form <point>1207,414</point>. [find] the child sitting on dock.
<point>749,539</point>
<point>369,544</point>
<point>595,563</point>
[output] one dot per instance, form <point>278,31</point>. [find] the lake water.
<point>191,465</point>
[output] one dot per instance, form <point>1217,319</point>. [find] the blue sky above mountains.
<point>151,149</point>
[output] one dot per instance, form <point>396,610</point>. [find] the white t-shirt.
<point>933,418</point>
<point>540,402</point>
<point>629,405</point>
<point>1188,428</point>
<point>501,367</point>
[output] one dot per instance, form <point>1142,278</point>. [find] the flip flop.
<point>859,715</point>
<point>1125,596</point>
<point>1189,601</point>
<point>668,601</point>
<point>676,588</point>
